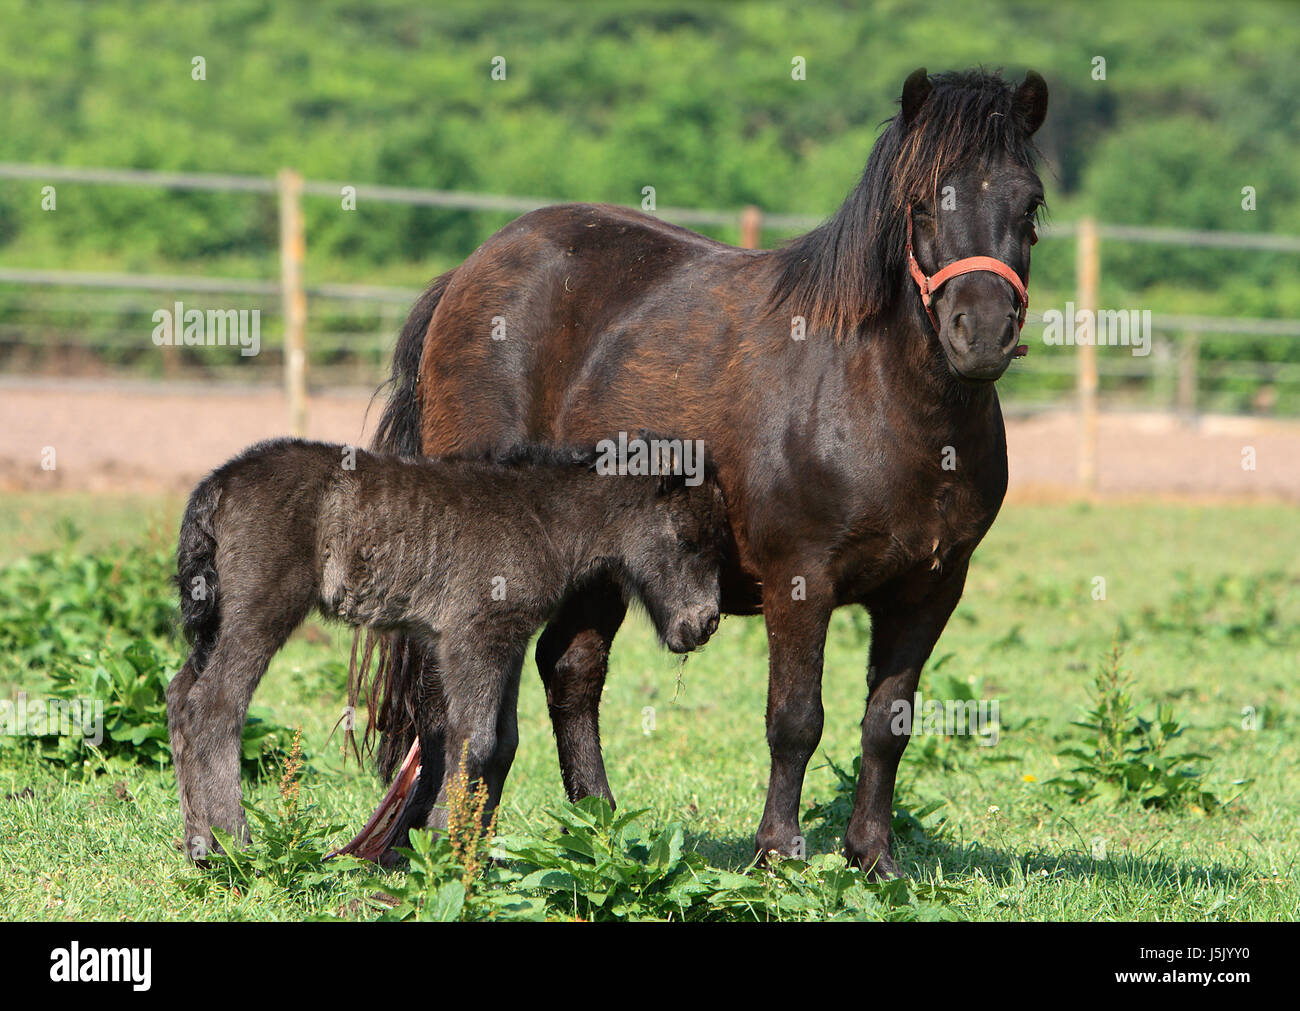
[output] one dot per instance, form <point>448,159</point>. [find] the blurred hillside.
<point>598,101</point>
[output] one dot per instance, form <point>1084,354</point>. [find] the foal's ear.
<point>1031,100</point>
<point>916,89</point>
<point>672,476</point>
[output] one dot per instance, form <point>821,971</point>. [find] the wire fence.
<point>343,333</point>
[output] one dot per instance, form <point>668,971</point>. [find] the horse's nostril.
<point>1011,334</point>
<point>958,333</point>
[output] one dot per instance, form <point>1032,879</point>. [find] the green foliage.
<point>131,684</point>
<point>600,865</point>
<point>1127,757</point>
<point>603,867</point>
<point>1241,607</point>
<point>60,614</point>
<point>907,825</point>
<point>601,99</point>
<point>824,887</point>
<point>286,857</point>
<point>57,606</point>
<point>435,888</point>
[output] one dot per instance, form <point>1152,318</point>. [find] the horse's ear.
<point>916,89</point>
<point>1031,100</point>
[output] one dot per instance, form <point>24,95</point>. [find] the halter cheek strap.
<point>930,285</point>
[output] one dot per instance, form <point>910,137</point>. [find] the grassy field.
<point>1204,600</point>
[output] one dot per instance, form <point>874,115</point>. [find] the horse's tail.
<point>389,693</point>
<point>399,425</point>
<point>196,571</point>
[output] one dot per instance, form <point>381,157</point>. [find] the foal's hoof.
<point>390,859</point>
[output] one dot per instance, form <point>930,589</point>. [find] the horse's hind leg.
<point>573,659</point>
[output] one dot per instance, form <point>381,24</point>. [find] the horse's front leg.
<point>902,637</point>
<point>796,615</point>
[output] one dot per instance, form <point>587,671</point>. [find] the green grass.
<point>1206,599</point>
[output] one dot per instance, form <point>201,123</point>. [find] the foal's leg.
<point>211,724</point>
<point>480,668</point>
<point>189,780</point>
<point>428,807</point>
<point>903,632</point>
<point>210,720</point>
<point>573,660</point>
<point>498,767</point>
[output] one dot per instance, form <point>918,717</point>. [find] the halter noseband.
<point>929,285</point>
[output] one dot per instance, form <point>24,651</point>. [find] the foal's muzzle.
<point>692,629</point>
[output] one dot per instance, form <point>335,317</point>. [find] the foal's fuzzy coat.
<point>470,555</point>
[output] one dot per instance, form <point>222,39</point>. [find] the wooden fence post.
<point>751,227</point>
<point>293,249</point>
<point>1088,270</point>
<point>1189,353</point>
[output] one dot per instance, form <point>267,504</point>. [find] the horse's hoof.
<point>778,845</point>
<point>877,865</point>
<point>874,859</point>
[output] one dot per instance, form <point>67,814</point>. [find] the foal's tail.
<point>196,571</point>
<point>389,693</point>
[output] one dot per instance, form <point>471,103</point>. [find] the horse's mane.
<point>847,272</point>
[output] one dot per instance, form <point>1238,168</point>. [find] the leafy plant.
<point>287,854</point>
<point>130,684</point>
<point>824,887</point>
<point>57,606</point>
<point>451,876</point>
<point>60,614</point>
<point>603,865</point>
<point>600,865</point>
<point>908,825</point>
<point>435,887</point>
<point>1124,756</point>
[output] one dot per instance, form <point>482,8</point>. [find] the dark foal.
<point>469,556</point>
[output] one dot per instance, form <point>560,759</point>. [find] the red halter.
<point>930,285</point>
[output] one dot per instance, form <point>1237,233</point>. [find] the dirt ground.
<point>145,438</point>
